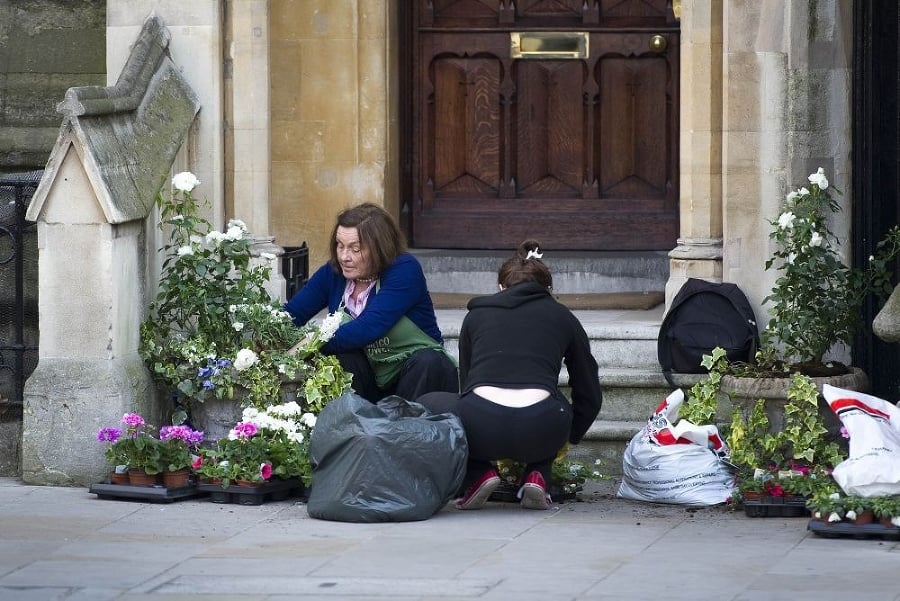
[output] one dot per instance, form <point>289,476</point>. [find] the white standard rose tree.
<point>213,331</point>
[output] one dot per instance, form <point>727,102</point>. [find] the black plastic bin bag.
<point>393,461</point>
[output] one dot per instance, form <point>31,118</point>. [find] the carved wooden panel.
<point>580,153</point>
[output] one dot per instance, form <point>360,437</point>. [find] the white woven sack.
<point>872,467</point>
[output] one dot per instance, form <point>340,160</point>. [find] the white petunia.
<point>238,224</point>
<point>185,251</point>
<point>238,326</point>
<point>329,326</point>
<point>245,358</point>
<point>185,181</point>
<point>816,239</point>
<point>818,178</point>
<point>803,192</point>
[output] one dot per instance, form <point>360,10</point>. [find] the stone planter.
<point>216,417</point>
<point>744,393</point>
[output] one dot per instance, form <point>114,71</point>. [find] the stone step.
<point>574,272</point>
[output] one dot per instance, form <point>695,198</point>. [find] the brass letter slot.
<point>549,44</point>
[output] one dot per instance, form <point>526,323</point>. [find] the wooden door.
<point>580,153</point>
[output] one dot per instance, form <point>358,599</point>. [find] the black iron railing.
<point>295,268</point>
<point>18,286</point>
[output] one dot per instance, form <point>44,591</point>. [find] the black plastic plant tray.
<point>506,493</point>
<point>273,490</point>
<point>775,507</point>
<point>158,493</point>
<point>851,530</point>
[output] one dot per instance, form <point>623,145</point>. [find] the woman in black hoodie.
<point>512,346</point>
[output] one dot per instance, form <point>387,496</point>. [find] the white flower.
<point>185,181</point>
<point>238,224</point>
<point>232,308</point>
<point>834,496</point>
<point>185,251</point>
<point>791,258</point>
<point>238,326</point>
<point>791,195</point>
<point>834,517</point>
<point>786,220</point>
<point>282,369</point>
<point>214,238</point>
<point>176,218</point>
<point>803,192</point>
<point>871,258</point>
<point>329,326</point>
<point>234,233</point>
<point>309,420</point>
<point>851,515</point>
<point>818,178</point>
<point>245,358</point>
<point>816,239</point>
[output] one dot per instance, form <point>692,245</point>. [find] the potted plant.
<point>136,447</point>
<point>887,510</point>
<point>814,304</point>
<point>241,458</point>
<point>827,506</point>
<point>798,457</point>
<point>178,446</point>
<point>214,335</point>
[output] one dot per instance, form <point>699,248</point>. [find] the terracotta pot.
<point>176,479</point>
<point>118,477</point>
<point>141,478</point>
<point>865,517</point>
<point>248,483</point>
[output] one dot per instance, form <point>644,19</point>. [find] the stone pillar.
<point>114,152</point>
<point>699,250</point>
<point>786,90</point>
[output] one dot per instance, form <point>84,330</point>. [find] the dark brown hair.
<point>379,235</point>
<point>519,269</point>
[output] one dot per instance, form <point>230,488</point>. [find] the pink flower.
<point>244,430</point>
<point>197,462</point>
<point>189,436</point>
<point>132,420</point>
<point>844,432</point>
<point>265,470</point>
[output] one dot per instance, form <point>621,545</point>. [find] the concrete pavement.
<point>66,543</point>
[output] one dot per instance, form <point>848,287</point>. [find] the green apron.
<point>387,354</point>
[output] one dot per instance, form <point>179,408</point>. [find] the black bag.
<point>705,315</point>
<point>393,461</point>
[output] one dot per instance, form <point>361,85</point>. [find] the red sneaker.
<point>534,492</point>
<point>478,494</point>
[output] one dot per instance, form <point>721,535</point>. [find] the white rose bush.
<point>816,300</point>
<point>212,329</point>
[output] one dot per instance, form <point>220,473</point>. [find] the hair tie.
<point>534,254</point>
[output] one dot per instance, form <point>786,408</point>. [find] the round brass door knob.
<point>658,43</point>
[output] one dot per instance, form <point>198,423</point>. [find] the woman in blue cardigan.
<point>389,341</point>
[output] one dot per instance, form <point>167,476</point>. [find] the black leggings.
<point>531,435</point>
<point>426,370</point>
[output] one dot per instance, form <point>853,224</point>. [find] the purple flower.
<point>109,434</point>
<point>223,363</point>
<point>204,372</point>
<point>182,432</point>
<point>208,385</point>
<point>132,420</point>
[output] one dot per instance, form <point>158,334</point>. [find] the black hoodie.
<point>519,338</point>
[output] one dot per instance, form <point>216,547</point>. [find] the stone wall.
<point>46,47</point>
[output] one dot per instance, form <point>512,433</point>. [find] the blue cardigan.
<point>401,291</point>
